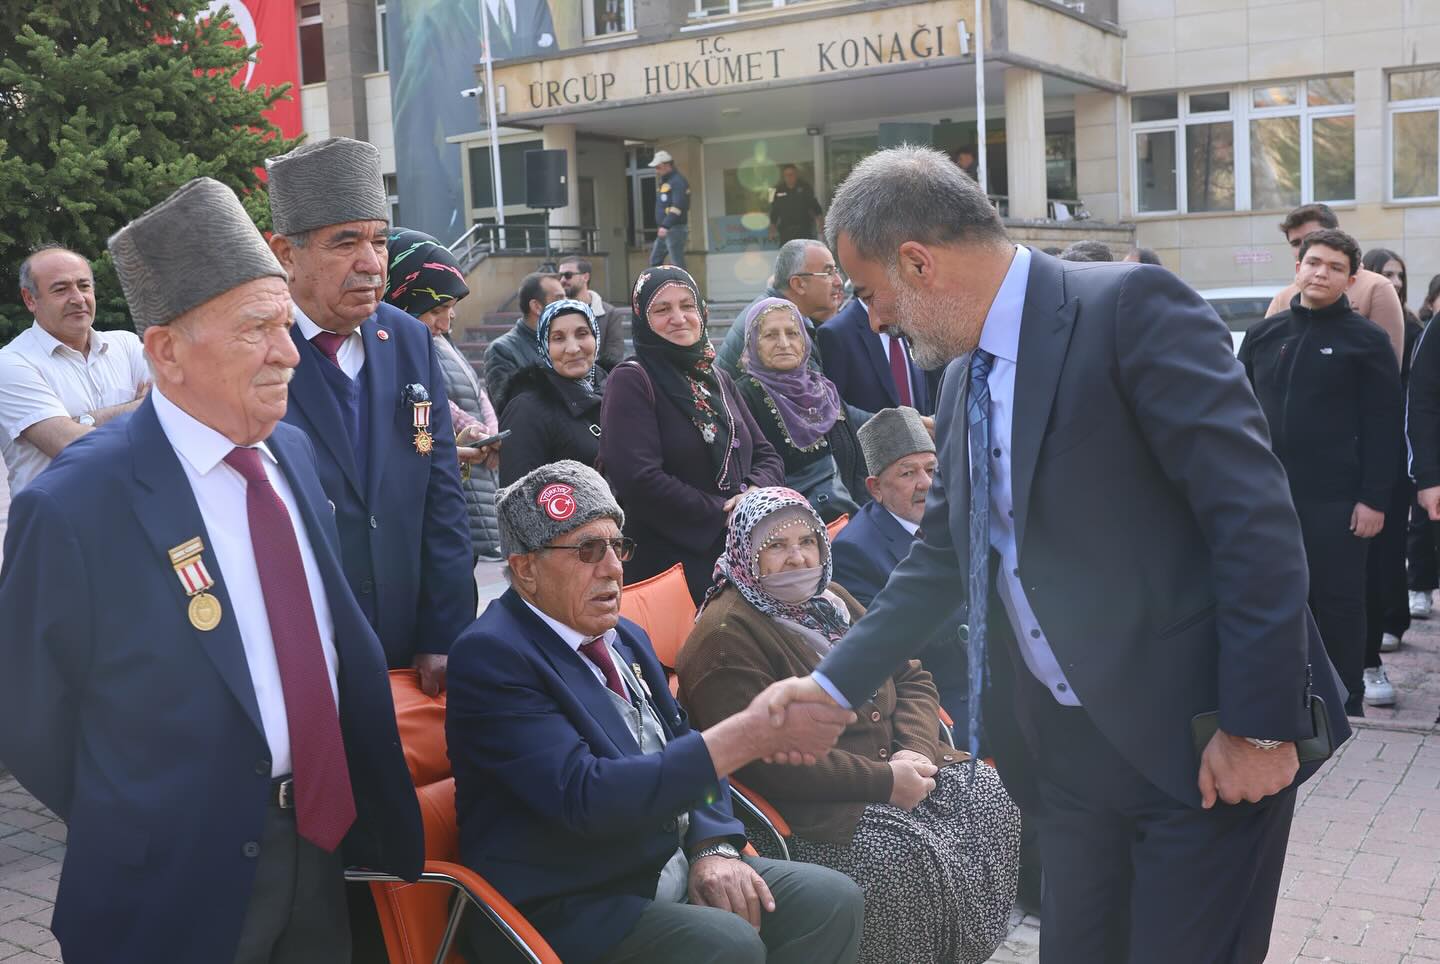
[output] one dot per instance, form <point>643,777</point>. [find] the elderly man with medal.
<point>370,393</point>
<point>185,676</point>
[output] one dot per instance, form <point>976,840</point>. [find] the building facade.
<point>1189,126</point>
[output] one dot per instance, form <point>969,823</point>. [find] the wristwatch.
<point>86,419</point>
<point>1263,744</point>
<point>717,850</point>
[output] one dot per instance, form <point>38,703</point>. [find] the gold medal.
<point>204,611</point>
<point>423,442</point>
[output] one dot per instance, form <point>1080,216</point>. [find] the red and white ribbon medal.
<point>188,559</point>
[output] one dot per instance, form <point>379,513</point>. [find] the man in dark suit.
<point>1142,566</point>
<point>370,393</point>
<point>519,28</point>
<point>870,369</point>
<point>581,790</point>
<point>177,633</point>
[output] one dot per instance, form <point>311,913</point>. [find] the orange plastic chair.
<point>835,525</point>
<point>663,608</point>
<point>421,921</point>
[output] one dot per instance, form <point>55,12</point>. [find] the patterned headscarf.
<point>686,375</point>
<point>805,400</point>
<point>423,273</point>
<point>566,306</point>
<point>740,565</point>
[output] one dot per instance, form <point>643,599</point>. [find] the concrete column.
<point>351,52</point>
<point>561,137</point>
<point>1025,142</point>
<point>1097,164</point>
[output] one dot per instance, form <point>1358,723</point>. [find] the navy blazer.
<point>557,806</point>
<point>1158,545</point>
<point>860,369</point>
<point>864,554</point>
<point>141,731</point>
<point>404,538</point>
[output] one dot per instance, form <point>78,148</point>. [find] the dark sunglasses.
<point>567,275</point>
<point>592,551</point>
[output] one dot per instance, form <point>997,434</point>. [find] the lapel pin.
<point>189,563</point>
<point>383,335</point>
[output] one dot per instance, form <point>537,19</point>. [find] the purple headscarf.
<point>806,400</point>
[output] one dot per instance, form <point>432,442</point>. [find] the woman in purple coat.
<point>677,444</point>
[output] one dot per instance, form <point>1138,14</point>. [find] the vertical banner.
<point>434,51</point>
<point>271,24</point>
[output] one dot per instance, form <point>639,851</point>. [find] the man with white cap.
<point>581,790</point>
<point>185,677</point>
<point>672,211</point>
<point>370,393</point>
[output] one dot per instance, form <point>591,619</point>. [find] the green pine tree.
<point>107,106</point>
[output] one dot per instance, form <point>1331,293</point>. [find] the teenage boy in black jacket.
<point>1327,380</point>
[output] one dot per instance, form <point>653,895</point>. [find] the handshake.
<point>792,721</point>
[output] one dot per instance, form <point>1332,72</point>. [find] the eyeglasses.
<point>567,275</point>
<point>592,551</point>
<point>830,272</point>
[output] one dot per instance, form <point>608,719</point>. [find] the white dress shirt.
<point>352,350</point>
<point>906,524</point>
<point>1001,338</point>
<point>42,377</point>
<point>575,639</point>
<point>220,493</point>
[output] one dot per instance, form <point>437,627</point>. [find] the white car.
<point>1240,308</point>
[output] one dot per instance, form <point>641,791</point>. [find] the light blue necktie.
<point>977,413</point>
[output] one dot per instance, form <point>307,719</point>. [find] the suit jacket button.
<point>374,523</point>
<point>262,768</point>
<point>875,716</point>
<point>366,587</point>
<point>251,849</point>
<point>884,753</point>
<point>947,758</point>
<point>964,631</point>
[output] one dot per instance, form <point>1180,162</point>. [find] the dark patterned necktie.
<point>977,415</point>
<point>598,653</point>
<point>324,804</point>
<point>329,344</point>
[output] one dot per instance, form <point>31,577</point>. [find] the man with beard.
<point>1136,582</point>
<point>370,393</point>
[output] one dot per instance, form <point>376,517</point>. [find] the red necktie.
<point>329,343</point>
<point>598,653</point>
<point>899,370</point>
<point>324,804</point>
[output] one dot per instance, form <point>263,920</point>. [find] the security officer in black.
<point>794,212</point>
<point>1327,381</point>
<point>672,211</point>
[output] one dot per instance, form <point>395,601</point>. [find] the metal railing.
<point>483,240</point>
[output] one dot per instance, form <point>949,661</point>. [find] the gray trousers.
<point>673,244</point>
<point>297,912</point>
<point>817,920</point>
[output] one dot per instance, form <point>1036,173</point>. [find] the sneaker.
<point>1389,642</point>
<point>1378,689</point>
<point>1420,604</point>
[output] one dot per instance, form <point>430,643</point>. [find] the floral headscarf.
<point>805,400</point>
<point>423,273</point>
<point>686,375</point>
<point>566,306</point>
<point>740,565</point>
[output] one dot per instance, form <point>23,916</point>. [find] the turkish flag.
<point>271,24</point>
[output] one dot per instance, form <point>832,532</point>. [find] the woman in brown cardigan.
<point>934,849</point>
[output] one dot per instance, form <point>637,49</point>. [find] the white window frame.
<point>380,37</point>
<point>587,9</point>
<point>1308,115</point>
<point>1418,105</point>
<point>732,10</point>
<point>1239,115</point>
<point>300,24</point>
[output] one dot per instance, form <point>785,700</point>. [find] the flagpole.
<point>980,133</point>
<point>494,130</point>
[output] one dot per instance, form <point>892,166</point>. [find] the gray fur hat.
<point>328,182</point>
<point>192,246</point>
<point>891,434</point>
<point>538,508</point>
